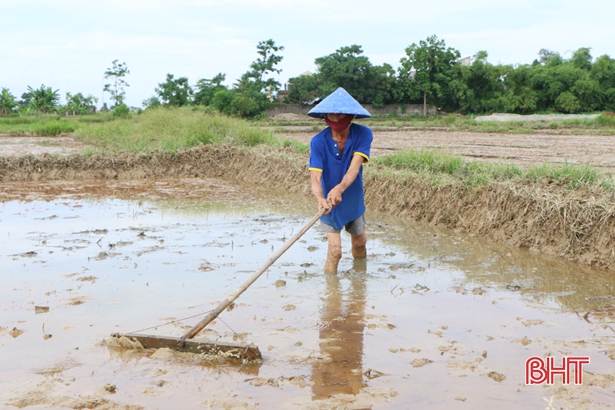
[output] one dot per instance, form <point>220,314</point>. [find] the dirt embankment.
<point>577,226</point>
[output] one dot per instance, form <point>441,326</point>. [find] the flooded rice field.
<point>435,320</point>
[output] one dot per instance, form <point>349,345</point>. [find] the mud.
<point>553,146</point>
<point>20,145</point>
<point>542,217</point>
<point>436,319</point>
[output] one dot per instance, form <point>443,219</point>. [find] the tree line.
<point>435,74</point>
<point>429,73</point>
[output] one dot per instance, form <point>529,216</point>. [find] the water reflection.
<point>485,265</point>
<point>341,336</point>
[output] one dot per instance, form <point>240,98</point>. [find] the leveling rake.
<point>185,344</point>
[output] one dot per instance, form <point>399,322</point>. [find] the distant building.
<point>465,61</point>
<point>283,93</point>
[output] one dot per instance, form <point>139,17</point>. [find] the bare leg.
<point>359,252</point>
<point>358,245</point>
<point>334,252</point>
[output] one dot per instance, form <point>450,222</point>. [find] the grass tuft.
<point>53,128</point>
<point>442,168</point>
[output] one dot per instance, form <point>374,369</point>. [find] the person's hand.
<point>335,196</point>
<point>323,203</point>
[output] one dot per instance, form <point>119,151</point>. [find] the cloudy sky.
<point>69,44</point>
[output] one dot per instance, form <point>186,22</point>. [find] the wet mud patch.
<point>168,188</point>
<point>436,319</point>
<point>544,216</point>
<point>19,145</point>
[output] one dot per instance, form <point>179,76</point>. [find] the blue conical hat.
<point>339,102</point>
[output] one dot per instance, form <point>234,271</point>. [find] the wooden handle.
<point>216,312</point>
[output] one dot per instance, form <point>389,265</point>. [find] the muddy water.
<point>435,319</point>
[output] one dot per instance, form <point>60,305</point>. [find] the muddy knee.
<point>359,241</point>
<point>358,245</point>
<point>334,253</point>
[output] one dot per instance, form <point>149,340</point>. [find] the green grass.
<point>171,129</point>
<point>443,168</point>
<point>44,125</point>
<point>165,129</point>
<point>53,128</point>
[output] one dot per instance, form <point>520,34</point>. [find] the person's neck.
<point>340,136</point>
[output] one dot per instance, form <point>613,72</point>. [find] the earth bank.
<point>578,226</point>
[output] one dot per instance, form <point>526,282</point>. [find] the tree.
<point>582,59</point>
<point>151,102</point>
<point>520,97</point>
<point>7,102</point>
<point>566,102</point>
<point>304,89</point>
<point>549,58</point>
<point>44,99</point>
<point>603,71</point>
<point>254,92</point>
<point>347,68</point>
<point>254,81</point>
<point>116,87</point>
<point>383,82</point>
<point>480,86</point>
<point>175,92</point>
<point>567,86</point>
<point>265,65</point>
<point>222,101</point>
<point>79,104</point>
<point>205,89</point>
<point>432,67</point>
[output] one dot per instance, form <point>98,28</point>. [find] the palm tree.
<point>44,99</point>
<point>7,102</point>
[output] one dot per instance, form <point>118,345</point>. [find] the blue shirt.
<point>325,157</point>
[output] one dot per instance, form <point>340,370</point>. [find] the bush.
<point>568,103</point>
<point>170,129</point>
<point>51,129</point>
<point>244,106</point>
<point>222,101</point>
<point>121,111</point>
<point>605,120</point>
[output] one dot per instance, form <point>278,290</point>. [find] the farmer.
<point>337,154</point>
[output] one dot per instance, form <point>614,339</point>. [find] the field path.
<point>521,149</point>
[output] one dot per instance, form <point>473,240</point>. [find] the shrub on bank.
<point>170,129</point>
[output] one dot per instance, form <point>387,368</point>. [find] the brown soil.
<point>520,149</point>
<point>15,144</point>
<point>578,226</point>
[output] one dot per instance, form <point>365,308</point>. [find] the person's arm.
<point>335,194</point>
<point>315,179</point>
